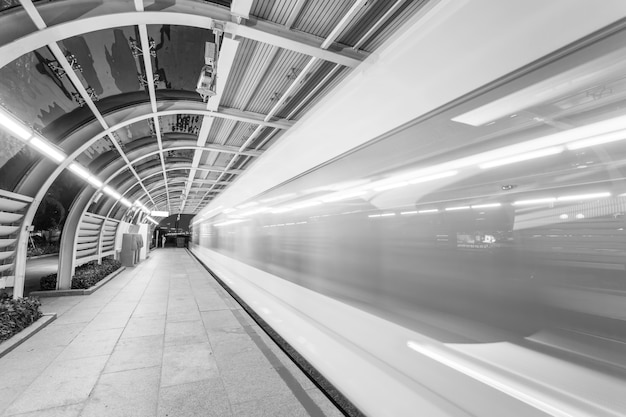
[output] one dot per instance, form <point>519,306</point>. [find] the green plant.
<point>16,315</point>
<point>85,276</point>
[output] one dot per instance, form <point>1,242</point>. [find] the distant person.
<point>163,242</point>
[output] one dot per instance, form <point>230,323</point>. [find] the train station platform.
<point>160,339</point>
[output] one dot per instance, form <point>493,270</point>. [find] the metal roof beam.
<point>202,17</point>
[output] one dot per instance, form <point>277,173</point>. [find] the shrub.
<point>85,276</point>
<point>16,315</point>
<point>43,249</point>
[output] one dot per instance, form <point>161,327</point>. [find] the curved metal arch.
<point>185,16</point>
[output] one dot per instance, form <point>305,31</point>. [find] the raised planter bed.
<point>19,338</point>
<point>87,291</point>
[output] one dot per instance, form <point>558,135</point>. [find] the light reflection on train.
<point>510,218</point>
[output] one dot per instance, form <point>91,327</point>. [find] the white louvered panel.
<point>9,217</point>
<point>86,245</point>
<point>88,226</point>
<point>6,242</point>
<point>7,267</point>
<point>11,205</point>
<point>7,230</point>
<point>86,239</point>
<point>3,282</point>
<point>6,254</point>
<point>90,218</point>
<point>89,232</point>
<point>108,248</point>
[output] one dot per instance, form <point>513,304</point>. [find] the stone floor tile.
<point>144,326</point>
<point>135,353</point>
<point>206,398</point>
<point>150,309</point>
<point>56,334</point>
<point>124,394</point>
<point>10,392</point>
<point>185,333</point>
<point>327,407</point>
<point>105,321</point>
<point>78,315</point>
<point>63,411</point>
<point>187,363</point>
<point>62,383</point>
<point>243,385</point>
<point>87,344</point>
<point>285,405</point>
<point>187,315</point>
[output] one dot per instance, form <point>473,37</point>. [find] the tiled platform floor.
<point>161,339</point>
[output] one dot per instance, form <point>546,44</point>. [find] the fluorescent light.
<point>373,215</point>
<point>79,170</point>
<point>584,196</point>
<point>126,202</point>
<point>152,220</point>
<point>434,177</point>
<point>387,214</point>
<point>428,211</point>
<point>229,222</point>
<point>343,196</point>
<point>598,140</point>
<point>534,201</point>
<point>47,149</point>
<point>14,127</point>
<point>405,213</point>
<point>480,206</point>
<point>457,208</point>
<point>228,210</point>
<point>523,157</point>
<point>563,217</point>
<point>94,181</point>
<point>157,213</point>
<point>111,192</point>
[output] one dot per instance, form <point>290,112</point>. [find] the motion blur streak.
<point>481,291</point>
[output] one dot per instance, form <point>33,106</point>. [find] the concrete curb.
<point>19,338</point>
<point>90,290</point>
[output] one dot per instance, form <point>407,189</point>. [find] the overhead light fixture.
<point>428,211</point>
<point>47,149</point>
<point>126,202</point>
<point>157,213</point>
<point>598,140</point>
<point>406,213</point>
<point>489,205</point>
<point>584,196</point>
<point>457,208</point>
<point>111,192</point>
<point>534,201</point>
<point>14,127</point>
<point>523,157</point>
<point>152,220</point>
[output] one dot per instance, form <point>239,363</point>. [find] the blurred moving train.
<point>470,262</point>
